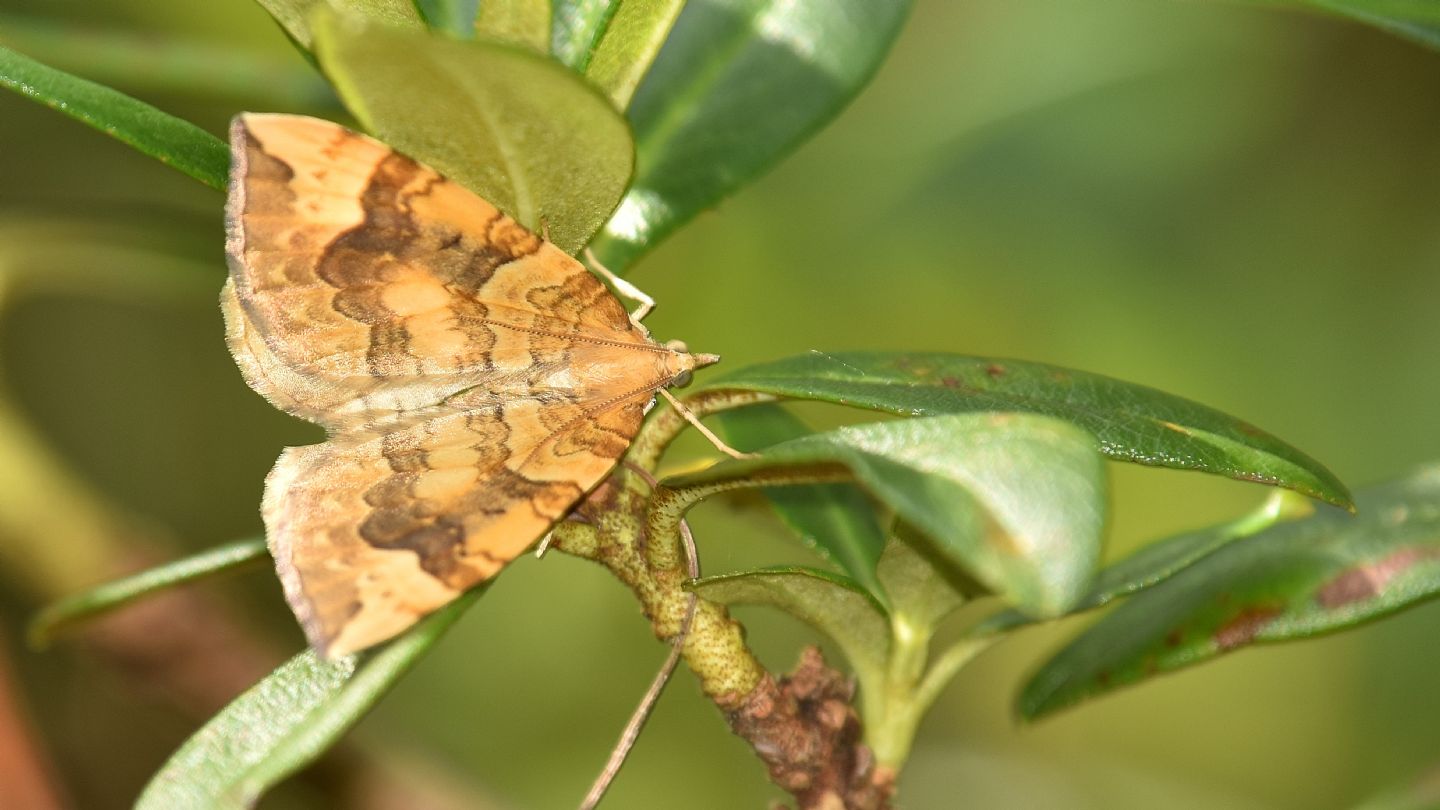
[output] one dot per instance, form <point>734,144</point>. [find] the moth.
<point>475,381</point>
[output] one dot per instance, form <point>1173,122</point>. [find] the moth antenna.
<point>647,703</point>
<point>700,426</point>
<point>623,287</point>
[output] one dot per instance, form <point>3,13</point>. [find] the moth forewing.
<point>476,381</point>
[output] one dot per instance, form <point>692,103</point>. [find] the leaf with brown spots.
<point>475,380</point>
<point>1153,564</point>
<point>1131,422</point>
<point>1291,580</point>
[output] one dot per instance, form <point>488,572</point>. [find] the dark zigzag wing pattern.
<point>475,380</point>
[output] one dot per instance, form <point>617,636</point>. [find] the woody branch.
<point>803,726</point>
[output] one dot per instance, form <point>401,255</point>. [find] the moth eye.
<point>677,346</point>
<point>682,379</point>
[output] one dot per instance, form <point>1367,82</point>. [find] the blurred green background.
<point>1235,205</point>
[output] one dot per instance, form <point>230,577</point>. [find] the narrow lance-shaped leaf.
<point>1158,561</point>
<point>612,42</point>
<point>295,16</point>
<point>629,45</point>
<point>836,520</point>
<point>1015,499</point>
<point>576,28</point>
<point>286,721</point>
<point>172,141</point>
<point>118,593</point>
<point>513,126</point>
<point>524,22</point>
<point>1132,422</point>
<point>1293,580</point>
<point>739,84</point>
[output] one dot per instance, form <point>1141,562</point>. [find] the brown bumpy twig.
<point>803,726</point>
<point>805,729</point>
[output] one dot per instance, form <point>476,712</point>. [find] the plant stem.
<point>715,650</point>
<point>804,727</point>
<point>947,666</point>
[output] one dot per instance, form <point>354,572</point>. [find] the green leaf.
<point>1292,580</point>
<point>739,84</point>
<point>118,593</point>
<point>577,28</point>
<point>295,16</point>
<point>1132,422</point>
<point>1418,20</point>
<point>513,126</point>
<point>612,42</point>
<point>168,65</point>
<point>525,22</point>
<point>629,46</point>
<point>920,594</point>
<point>836,520</point>
<point>1158,561</point>
<point>173,141</point>
<point>286,721</point>
<point>1015,499</point>
<point>832,604</point>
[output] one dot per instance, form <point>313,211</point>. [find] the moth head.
<point>685,363</point>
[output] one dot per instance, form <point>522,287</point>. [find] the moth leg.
<point>622,287</point>
<point>700,426</point>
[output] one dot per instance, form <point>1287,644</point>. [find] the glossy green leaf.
<point>836,520</point>
<point>524,22</point>
<point>577,26</point>
<point>921,594</point>
<point>1418,20</point>
<point>118,593</point>
<point>739,84</point>
<point>458,18</point>
<point>1293,580</point>
<point>515,127</point>
<point>1015,499</point>
<point>612,42</point>
<point>1132,422</point>
<point>629,46</point>
<point>832,604</point>
<point>295,16</point>
<point>1161,560</point>
<point>286,721</point>
<point>173,141</point>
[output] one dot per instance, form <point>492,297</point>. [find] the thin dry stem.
<point>657,686</point>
